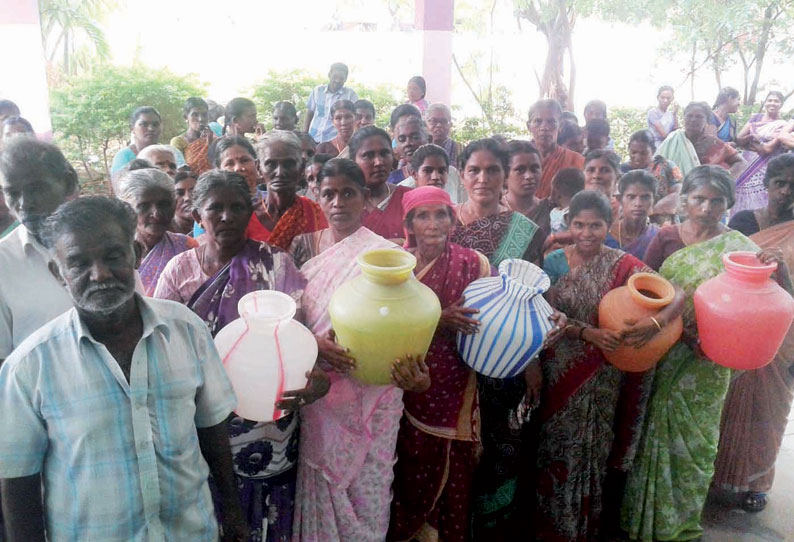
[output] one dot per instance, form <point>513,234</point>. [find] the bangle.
<point>581,332</point>
<point>655,321</point>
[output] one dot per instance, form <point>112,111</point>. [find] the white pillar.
<point>435,18</point>
<point>24,80</point>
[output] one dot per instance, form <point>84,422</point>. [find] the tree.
<point>90,116</point>
<point>555,19</point>
<point>69,26</point>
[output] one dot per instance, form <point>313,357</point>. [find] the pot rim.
<point>662,288</point>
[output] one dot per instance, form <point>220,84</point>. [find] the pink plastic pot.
<point>742,315</point>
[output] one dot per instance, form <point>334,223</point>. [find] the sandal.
<point>754,502</point>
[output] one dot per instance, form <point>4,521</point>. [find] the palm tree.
<point>68,26</point>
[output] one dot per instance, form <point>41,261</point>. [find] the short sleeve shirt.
<point>120,461</point>
<point>320,102</point>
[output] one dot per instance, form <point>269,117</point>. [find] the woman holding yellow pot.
<point>348,440</point>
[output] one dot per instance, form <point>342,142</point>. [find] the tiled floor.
<point>776,523</point>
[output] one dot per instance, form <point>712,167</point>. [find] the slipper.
<point>754,502</point>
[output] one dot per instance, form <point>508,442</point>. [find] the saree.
<point>264,454</point>
<point>591,413</point>
<point>677,148</point>
<point>348,438</point>
<point>439,434</point>
<point>197,156</point>
<point>304,216</point>
<point>155,261</point>
<point>387,219</point>
<point>552,163</point>
<point>498,237</point>
<point>670,477</point>
<point>750,190</point>
<point>758,403</point>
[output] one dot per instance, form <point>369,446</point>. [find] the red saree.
<point>437,443</point>
<point>197,156</point>
<point>591,413</point>
<point>554,162</point>
<point>388,220</point>
<point>305,216</point>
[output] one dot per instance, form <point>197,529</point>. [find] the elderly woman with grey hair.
<point>163,157</point>
<point>210,280</point>
<point>281,213</point>
<point>150,193</point>
<point>670,476</point>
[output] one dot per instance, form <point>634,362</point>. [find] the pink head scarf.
<point>424,195</point>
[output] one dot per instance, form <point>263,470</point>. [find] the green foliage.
<point>624,121</point>
<point>90,116</point>
<point>295,86</point>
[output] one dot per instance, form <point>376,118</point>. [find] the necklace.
<point>620,230</point>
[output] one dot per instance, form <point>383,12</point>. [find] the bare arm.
<point>23,513</point>
<point>737,164</point>
<point>214,443</point>
<point>744,137</point>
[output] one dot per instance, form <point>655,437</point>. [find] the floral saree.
<point>591,413</point>
<point>155,261</point>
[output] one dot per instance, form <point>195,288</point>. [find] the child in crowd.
<point>564,186</point>
<point>312,175</point>
<point>417,88</point>
<point>596,134</point>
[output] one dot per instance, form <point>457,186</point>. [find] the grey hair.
<point>151,149</point>
<point>134,183</point>
<point>442,107</point>
<point>86,214</point>
<point>280,136</point>
<point>713,176</point>
<point>413,120</point>
<point>215,179</point>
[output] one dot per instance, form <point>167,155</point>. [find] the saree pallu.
<point>155,261</point>
<point>591,413</point>
<point>677,148</point>
<point>348,438</point>
<point>305,216</point>
<point>758,403</point>
<point>439,434</point>
<point>669,481</point>
<point>498,237</point>
<point>750,190</point>
<point>559,159</point>
<point>264,454</point>
<point>197,156</point>
<point>387,219</point>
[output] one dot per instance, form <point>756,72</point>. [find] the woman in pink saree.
<point>348,439</point>
<point>760,138</point>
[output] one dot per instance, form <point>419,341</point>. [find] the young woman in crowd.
<point>633,231</point>
<point>343,117</point>
<point>146,126</point>
<point>642,149</point>
<point>761,139</point>
<point>417,89</point>
<point>663,119</point>
<point>484,224</point>
<point>285,116</point>
<point>523,179</point>
<point>591,414</point>
<point>722,124</point>
<point>184,184</point>
<point>371,149</point>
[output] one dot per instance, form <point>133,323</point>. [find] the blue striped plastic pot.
<point>514,319</point>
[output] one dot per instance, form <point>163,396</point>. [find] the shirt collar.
<point>328,90</point>
<point>151,322</point>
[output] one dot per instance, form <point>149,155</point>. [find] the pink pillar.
<point>435,18</point>
<point>25,80</point>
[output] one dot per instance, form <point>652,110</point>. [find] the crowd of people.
<point>116,415</point>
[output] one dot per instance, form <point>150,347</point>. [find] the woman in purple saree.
<point>211,279</point>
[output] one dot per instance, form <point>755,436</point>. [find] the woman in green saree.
<point>670,477</point>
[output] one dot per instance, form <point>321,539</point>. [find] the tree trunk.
<point>716,65</point>
<point>745,75</point>
<point>692,70</point>
<point>760,52</point>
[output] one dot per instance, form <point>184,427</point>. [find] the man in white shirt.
<point>318,107</point>
<point>35,179</point>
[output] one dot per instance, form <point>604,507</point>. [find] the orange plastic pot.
<point>742,315</point>
<point>644,295</point>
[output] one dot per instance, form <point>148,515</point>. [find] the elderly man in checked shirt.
<point>116,408</point>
